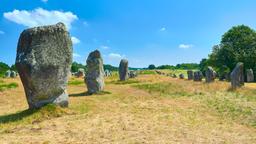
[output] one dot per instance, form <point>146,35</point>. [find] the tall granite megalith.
<point>249,75</point>
<point>198,76</point>
<point>210,75</point>
<point>44,57</point>
<point>123,70</point>
<point>190,75</point>
<point>95,73</point>
<point>237,76</point>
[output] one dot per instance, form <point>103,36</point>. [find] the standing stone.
<point>210,74</point>
<point>80,73</point>
<point>198,76</point>
<point>123,70</point>
<point>190,75</point>
<point>95,73</point>
<point>107,73</point>
<point>249,75</point>
<point>44,57</point>
<point>8,74</point>
<point>132,74</point>
<point>13,74</point>
<point>181,76</point>
<point>237,76</point>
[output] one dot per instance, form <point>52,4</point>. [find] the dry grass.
<point>125,114</point>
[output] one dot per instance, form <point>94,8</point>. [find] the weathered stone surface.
<point>80,73</point>
<point>95,73</point>
<point>210,75</point>
<point>44,57</point>
<point>190,75</point>
<point>13,74</point>
<point>181,76</point>
<point>132,74</point>
<point>198,76</point>
<point>123,70</point>
<point>237,76</point>
<point>8,74</point>
<point>249,75</point>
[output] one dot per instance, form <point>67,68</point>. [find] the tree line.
<point>183,66</point>
<point>237,45</point>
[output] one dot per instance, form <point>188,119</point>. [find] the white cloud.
<point>85,23</point>
<point>115,56</point>
<point>76,55</point>
<point>2,32</point>
<point>162,29</point>
<point>75,40</point>
<point>45,1</point>
<point>40,16</point>
<point>186,46</point>
<point>104,47</point>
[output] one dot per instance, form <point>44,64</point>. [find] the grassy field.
<point>148,109</point>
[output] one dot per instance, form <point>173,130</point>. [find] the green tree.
<point>3,68</point>
<point>13,67</point>
<point>237,45</point>
<point>203,65</point>
<point>151,67</point>
<point>75,66</point>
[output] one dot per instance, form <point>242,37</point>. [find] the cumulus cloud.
<point>40,16</point>
<point>76,55</point>
<point>85,23</point>
<point>2,32</point>
<point>75,40</point>
<point>162,29</point>
<point>115,56</point>
<point>104,47</point>
<point>186,46</point>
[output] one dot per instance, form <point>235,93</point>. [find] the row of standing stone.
<point>10,73</point>
<point>236,76</point>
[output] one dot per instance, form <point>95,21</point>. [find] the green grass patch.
<point>129,81</point>
<point>231,105</point>
<point>32,116</point>
<point>147,72</point>
<point>4,86</point>
<point>164,89</point>
<point>75,82</point>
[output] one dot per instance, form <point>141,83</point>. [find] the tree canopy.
<point>237,45</point>
<point>3,68</point>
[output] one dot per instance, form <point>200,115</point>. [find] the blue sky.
<point>142,31</point>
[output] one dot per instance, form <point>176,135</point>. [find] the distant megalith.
<point>13,74</point>
<point>7,74</point>
<point>107,73</point>
<point>190,75</point>
<point>237,76</point>
<point>123,70</point>
<point>44,57</point>
<point>95,73</point>
<point>80,73</point>
<point>198,76</point>
<point>249,75</point>
<point>210,74</point>
<point>132,74</point>
<point>181,76</point>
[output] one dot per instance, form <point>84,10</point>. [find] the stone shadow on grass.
<point>89,94</point>
<point>16,116</point>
